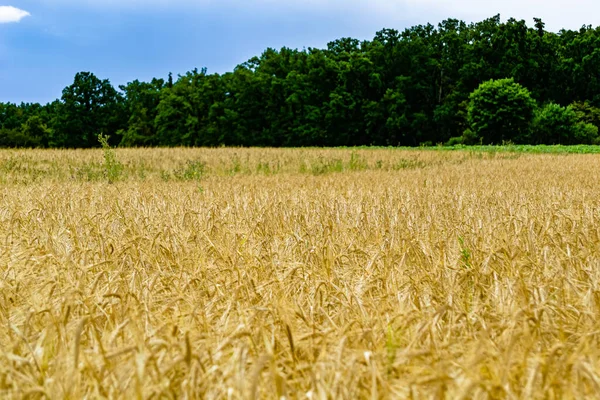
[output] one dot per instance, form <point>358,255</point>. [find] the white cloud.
<point>11,14</point>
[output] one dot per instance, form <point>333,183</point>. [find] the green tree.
<point>188,112</point>
<point>141,103</point>
<point>88,107</point>
<point>13,116</point>
<point>501,110</point>
<point>586,112</point>
<point>37,131</point>
<point>14,138</point>
<point>554,124</point>
<point>407,88</point>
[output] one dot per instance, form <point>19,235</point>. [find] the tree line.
<point>483,82</point>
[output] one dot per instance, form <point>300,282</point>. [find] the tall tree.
<point>141,103</point>
<point>88,107</point>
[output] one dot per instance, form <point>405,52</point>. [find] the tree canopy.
<point>487,82</point>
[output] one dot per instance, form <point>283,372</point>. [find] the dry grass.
<point>400,275</point>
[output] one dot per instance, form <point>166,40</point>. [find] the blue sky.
<point>43,43</point>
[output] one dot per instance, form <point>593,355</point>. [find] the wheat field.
<point>299,274</point>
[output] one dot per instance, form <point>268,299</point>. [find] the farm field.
<point>299,274</point>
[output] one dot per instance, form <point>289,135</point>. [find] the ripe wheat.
<point>300,274</point>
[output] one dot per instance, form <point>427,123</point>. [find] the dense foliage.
<point>488,82</point>
<point>500,111</point>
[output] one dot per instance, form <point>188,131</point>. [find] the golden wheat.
<point>299,274</point>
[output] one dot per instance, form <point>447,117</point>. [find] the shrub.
<point>191,171</point>
<point>499,111</point>
<point>554,124</point>
<point>17,138</point>
<point>36,130</point>
<point>586,133</point>
<point>586,112</point>
<point>455,141</point>
<point>113,168</point>
<point>470,138</point>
